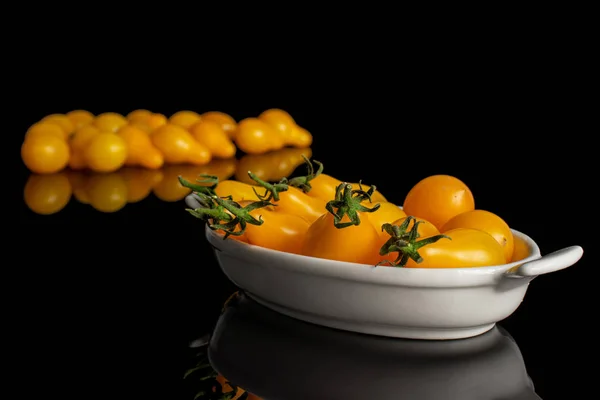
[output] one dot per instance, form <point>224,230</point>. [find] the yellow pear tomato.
<point>487,222</point>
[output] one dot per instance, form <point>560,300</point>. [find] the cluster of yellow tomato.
<point>109,141</point>
<point>48,194</point>
<point>449,231</point>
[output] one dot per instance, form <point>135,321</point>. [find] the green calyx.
<point>347,202</point>
<point>226,215</point>
<point>405,243</point>
<point>272,190</point>
<point>303,182</point>
<point>222,212</point>
<point>211,182</point>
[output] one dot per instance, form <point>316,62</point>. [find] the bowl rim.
<point>249,250</point>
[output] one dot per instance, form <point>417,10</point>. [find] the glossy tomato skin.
<point>45,128</point>
<point>520,249</point>
<point>226,121</point>
<point>45,154</point>
<point>323,187</point>
<point>356,244</point>
<point>254,136</point>
<point>487,222</point>
<point>299,137</point>
<point>61,120</point>
<point>184,118</point>
<point>279,231</point>
<point>239,191</point>
<point>80,118</point>
<point>110,122</point>
<point>467,248</point>
<point>214,137</point>
<point>386,214</point>
<point>281,120</point>
<point>295,201</point>
<point>438,198</point>
<point>105,152</point>
<point>178,146</point>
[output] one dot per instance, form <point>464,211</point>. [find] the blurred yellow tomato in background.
<point>110,121</point>
<point>45,154</point>
<point>106,152</point>
<point>61,120</point>
<point>43,129</point>
<point>80,118</point>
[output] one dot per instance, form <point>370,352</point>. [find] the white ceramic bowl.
<point>277,357</point>
<point>416,303</point>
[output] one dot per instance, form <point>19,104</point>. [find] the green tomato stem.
<point>303,182</point>
<point>405,242</point>
<point>272,190</point>
<point>347,202</point>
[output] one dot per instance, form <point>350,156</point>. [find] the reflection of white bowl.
<point>276,357</point>
<point>418,303</point>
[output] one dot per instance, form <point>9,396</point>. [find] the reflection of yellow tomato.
<point>140,182</point>
<point>169,189</point>
<point>78,180</point>
<point>107,192</point>
<point>226,388</point>
<point>47,194</point>
<point>272,166</point>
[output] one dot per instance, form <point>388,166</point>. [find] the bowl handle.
<point>191,200</point>
<point>555,261</point>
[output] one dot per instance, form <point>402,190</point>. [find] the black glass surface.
<point>125,296</point>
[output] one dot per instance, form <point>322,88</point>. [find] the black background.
<point>113,299</point>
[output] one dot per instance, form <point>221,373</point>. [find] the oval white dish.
<point>412,303</point>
